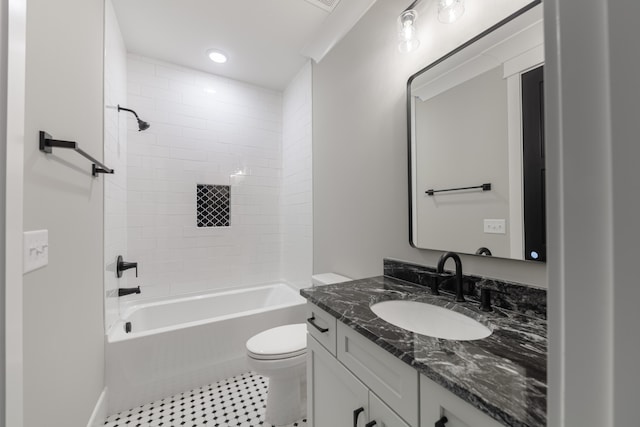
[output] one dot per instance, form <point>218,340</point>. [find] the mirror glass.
<point>476,145</point>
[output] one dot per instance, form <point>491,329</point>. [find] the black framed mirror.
<point>476,144</point>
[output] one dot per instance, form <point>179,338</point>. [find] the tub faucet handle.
<point>122,265</point>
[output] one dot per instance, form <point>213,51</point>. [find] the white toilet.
<point>280,354</point>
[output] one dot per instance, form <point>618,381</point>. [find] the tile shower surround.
<point>207,129</point>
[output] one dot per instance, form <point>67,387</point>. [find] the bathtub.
<point>179,344</point>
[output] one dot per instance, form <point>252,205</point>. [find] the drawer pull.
<point>370,424</point>
<point>356,413</point>
<point>323,330</point>
<point>441,422</point>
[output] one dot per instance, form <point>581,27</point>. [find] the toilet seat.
<point>282,342</point>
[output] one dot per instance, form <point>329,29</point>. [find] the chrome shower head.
<point>142,125</point>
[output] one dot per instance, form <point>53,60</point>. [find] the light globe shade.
<point>407,37</point>
<point>450,11</point>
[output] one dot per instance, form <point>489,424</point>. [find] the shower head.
<point>142,125</point>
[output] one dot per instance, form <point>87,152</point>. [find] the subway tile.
<point>201,137</point>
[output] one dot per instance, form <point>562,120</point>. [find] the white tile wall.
<point>210,130</point>
<point>297,206</point>
<point>115,156</point>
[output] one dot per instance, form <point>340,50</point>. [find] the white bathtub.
<point>179,344</point>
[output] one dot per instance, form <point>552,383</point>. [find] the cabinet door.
<point>395,382</point>
<point>333,393</point>
<point>382,414</point>
<point>436,401</point>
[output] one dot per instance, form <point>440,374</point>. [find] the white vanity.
<point>353,382</point>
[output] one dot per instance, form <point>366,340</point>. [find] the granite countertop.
<point>503,375</point>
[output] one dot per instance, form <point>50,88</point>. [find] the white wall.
<point>592,129</point>
<point>115,156</point>
<point>12,69</point>
<point>296,200</point>
<point>360,143</point>
<point>205,129</point>
<point>63,302</point>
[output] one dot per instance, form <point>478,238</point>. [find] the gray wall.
<point>63,311</point>
<point>360,148</point>
<point>462,141</point>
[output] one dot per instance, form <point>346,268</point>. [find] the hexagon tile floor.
<point>235,402</point>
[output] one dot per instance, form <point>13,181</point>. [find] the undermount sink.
<point>431,320</point>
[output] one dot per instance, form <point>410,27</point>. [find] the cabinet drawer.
<point>322,326</point>
<point>436,401</point>
<point>395,382</point>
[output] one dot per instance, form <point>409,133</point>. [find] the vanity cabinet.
<point>348,376</point>
<point>338,398</point>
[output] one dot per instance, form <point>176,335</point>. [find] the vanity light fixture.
<point>450,11</point>
<point>217,56</point>
<point>407,38</point>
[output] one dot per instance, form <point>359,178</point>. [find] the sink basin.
<point>431,320</point>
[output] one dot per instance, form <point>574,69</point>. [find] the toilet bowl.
<point>280,354</point>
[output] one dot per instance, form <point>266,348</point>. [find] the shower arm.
<point>129,110</point>
<point>142,125</point>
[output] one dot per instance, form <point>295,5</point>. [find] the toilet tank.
<point>328,279</point>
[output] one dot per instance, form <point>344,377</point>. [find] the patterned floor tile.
<point>235,402</point>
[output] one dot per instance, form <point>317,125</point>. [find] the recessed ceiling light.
<point>217,56</point>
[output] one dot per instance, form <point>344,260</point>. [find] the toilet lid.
<point>279,343</point>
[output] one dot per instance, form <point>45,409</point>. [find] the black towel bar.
<point>484,187</point>
<point>47,143</point>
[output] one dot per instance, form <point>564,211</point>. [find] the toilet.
<point>280,354</point>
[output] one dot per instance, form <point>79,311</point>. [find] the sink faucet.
<point>458,278</point>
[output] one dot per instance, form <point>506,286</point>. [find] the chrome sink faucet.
<point>458,277</point>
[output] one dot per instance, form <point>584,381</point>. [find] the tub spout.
<point>128,291</point>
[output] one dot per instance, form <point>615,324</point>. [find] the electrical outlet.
<point>36,250</point>
<point>495,226</point>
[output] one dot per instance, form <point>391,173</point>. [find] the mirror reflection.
<point>477,145</point>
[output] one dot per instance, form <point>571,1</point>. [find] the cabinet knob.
<point>370,424</point>
<point>441,422</point>
<point>356,414</point>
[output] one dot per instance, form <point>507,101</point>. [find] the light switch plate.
<point>495,226</point>
<point>36,250</point>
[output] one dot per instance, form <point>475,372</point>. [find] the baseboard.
<point>99,414</point>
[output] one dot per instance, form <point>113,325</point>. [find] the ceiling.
<point>266,41</point>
